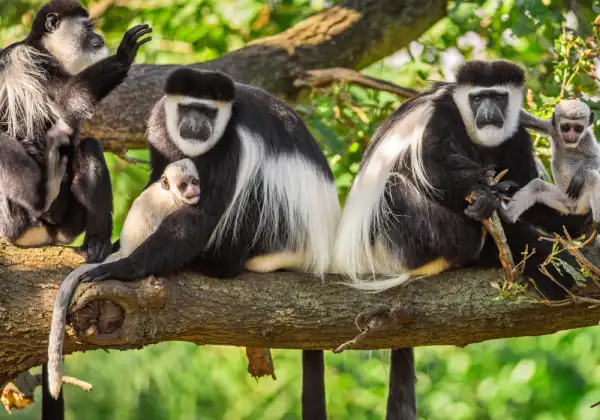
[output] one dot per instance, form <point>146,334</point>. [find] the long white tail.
<point>57,329</point>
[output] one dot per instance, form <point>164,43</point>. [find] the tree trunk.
<point>279,310</point>
<point>353,34</point>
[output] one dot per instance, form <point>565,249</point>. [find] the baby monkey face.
<point>571,132</point>
<point>181,179</point>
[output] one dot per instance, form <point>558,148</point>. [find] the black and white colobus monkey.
<point>178,186</point>
<point>49,83</point>
<point>268,197</point>
<point>575,164</point>
<point>406,214</point>
<point>54,78</point>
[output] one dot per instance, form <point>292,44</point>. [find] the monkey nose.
<point>493,118</point>
<point>193,191</point>
<point>196,130</point>
<point>97,41</point>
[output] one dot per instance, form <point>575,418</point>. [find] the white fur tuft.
<point>25,106</point>
<point>191,147</point>
<point>365,212</point>
<point>292,190</point>
<point>489,136</point>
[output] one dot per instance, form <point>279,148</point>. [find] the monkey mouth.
<point>485,124</point>
<point>192,199</point>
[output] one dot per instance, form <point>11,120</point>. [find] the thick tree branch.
<point>280,310</point>
<point>353,35</point>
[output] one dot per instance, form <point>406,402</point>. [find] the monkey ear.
<point>591,117</point>
<point>52,22</point>
<point>164,182</point>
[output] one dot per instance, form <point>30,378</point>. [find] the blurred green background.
<point>547,378</point>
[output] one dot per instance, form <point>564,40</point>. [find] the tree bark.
<point>353,34</point>
<point>279,310</point>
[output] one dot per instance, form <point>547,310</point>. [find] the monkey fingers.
<point>102,272</point>
<point>131,43</point>
<point>504,186</point>
<point>95,249</point>
<point>576,185</point>
<point>118,270</point>
<point>483,205</point>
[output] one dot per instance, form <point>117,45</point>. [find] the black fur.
<point>181,238</point>
<point>282,131</point>
<point>210,85</point>
<point>51,409</point>
<point>456,166</point>
<point>577,183</point>
<point>62,8</point>
<point>402,403</point>
<point>85,199</point>
<point>313,385</point>
<point>440,223</point>
<point>490,73</point>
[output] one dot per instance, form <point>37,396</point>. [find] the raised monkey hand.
<point>131,43</point>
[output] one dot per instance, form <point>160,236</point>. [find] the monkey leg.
<point>537,191</point>
<point>401,404</point>
<point>91,204</point>
<point>275,261</point>
<point>430,238</point>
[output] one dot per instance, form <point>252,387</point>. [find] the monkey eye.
<point>476,98</point>
<point>565,128</point>
<point>182,186</point>
<point>578,128</point>
<point>88,25</point>
<point>195,181</point>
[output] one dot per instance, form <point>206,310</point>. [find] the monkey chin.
<point>491,136</point>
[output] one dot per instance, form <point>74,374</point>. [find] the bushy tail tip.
<point>379,285</point>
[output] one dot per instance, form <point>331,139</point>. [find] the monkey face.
<point>490,114</point>
<point>196,122</point>
<point>571,132</point>
<point>73,42</point>
<point>181,179</point>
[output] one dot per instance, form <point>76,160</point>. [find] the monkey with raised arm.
<point>575,164</point>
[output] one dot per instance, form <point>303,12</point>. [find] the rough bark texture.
<point>353,34</point>
<point>280,310</point>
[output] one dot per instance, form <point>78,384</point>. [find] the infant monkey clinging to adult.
<point>575,164</point>
<point>178,186</point>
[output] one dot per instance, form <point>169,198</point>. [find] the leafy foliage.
<point>551,377</point>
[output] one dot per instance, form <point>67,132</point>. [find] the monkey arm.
<point>537,124</point>
<point>455,176</point>
<point>94,83</point>
<point>537,191</point>
<point>180,238</point>
<point>577,182</point>
<point>21,177</point>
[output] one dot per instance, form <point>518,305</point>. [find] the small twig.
<point>494,226</point>
<point>325,77</point>
<point>87,387</point>
<point>367,322</point>
<point>18,394</point>
<point>122,154</point>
